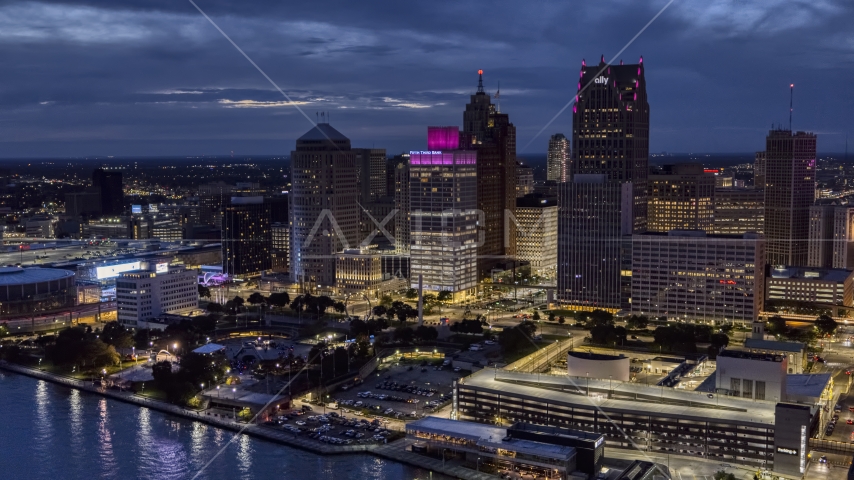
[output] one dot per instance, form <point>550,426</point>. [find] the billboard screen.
<point>114,270</point>
<point>161,268</point>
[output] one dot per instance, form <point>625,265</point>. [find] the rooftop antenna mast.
<point>498,98</point>
<point>480,81</point>
<point>791,96</point>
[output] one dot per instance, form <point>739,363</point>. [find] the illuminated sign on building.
<point>787,451</point>
<point>601,80</point>
<point>803,448</point>
<point>114,270</point>
<point>161,268</point>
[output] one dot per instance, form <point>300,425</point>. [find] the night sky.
<point>153,77</point>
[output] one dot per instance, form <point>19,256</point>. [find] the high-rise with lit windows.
<point>324,204</point>
<point>610,129</point>
<point>681,197</point>
<point>789,194</point>
<point>557,162</point>
<point>443,202</point>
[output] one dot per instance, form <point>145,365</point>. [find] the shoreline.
<point>394,451</point>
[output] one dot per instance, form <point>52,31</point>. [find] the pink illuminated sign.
<point>442,158</point>
<point>443,138</point>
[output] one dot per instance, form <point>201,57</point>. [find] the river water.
<point>53,432</point>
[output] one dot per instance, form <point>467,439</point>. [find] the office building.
<point>120,228</point>
<point>831,236</point>
<point>358,270</point>
<point>493,137</point>
<point>557,162</point>
<point>324,204</point>
<point>681,197</point>
<point>822,287</point>
<point>155,289</point>
<point>281,233</point>
<point>536,233</point>
<point>247,239</point>
<point>738,211</point>
<point>594,219</point>
<point>108,183</point>
<point>371,165</point>
<point>443,201</point>
<point>789,194</point>
<point>212,198</point>
<point>401,204</point>
<point>524,180</point>
<point>689,275</point>
<point>610,129</point>
<point>723,181</point>
<point>87,202</point>
<point>166,227</point>
<point>759,170</point>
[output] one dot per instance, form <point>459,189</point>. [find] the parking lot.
<point>402,391</point>
<point>332,427</point>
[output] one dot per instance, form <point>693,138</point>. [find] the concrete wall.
<point>773,373</point>
<point>616,368</point>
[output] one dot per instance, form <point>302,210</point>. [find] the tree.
<point>237,301</point>
<point>536,315</point>
<point>722,475</point>
<point>411,294</point>
<point>776,325</point>
<point>637,322</point>
<point>551,316</point>
<point>204,292</point>
<point>467,326</point>
<point>426,334</point>
<point>214,307</point>
<point>279,299</point>
<point>825,325</point>
<point>445,296</point>
<point>339,307</point>
<point>114,333</point>
<point>404,334</point>
<point>561,320</point>
<point>257,299</point>
<point>386,300</point>
<point>380,310</point>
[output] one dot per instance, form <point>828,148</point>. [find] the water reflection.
<point>70,434</point>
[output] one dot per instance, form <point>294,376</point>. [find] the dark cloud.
<point>154,77</point>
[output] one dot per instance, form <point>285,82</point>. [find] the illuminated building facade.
<point>594,221</point>
<point>789,194</point>
<point>324,204</point>
<point>681,197</point>
<point>738,211</point>
<point>557,162</point>
<point>247,240</point>
<point>610,129</point>
<point>281,246</point>
<point>536,233</point>
<point>443,202</point>
<point>358,270</point>
<point>493,137</point>
<point>690,275</point>
<point>155,289</point>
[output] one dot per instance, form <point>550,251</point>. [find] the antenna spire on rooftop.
<point>480,81</point>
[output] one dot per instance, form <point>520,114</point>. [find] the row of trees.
<point>399,310</point>
<point>81,346</point>
<point>823,326</point>
<point>195,372</point>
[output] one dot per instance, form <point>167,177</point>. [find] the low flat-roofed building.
<point>795,352</point>
<point>630,415</point>
<point>822,286</point>
<point>489,444</point>
<point>809,388</point>
<point>597,365</point>
<point>757,376</point>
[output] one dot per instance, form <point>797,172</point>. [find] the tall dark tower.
<point>610,129</point>
<point>109,185</point>
<point>490,132</point>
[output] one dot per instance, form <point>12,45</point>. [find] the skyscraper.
<point>831,236</point>
<point>524,180</point>
<point>594,222</point>
<point>610,129</point>
<point>789,194</point>
<point>324,203</point>
<point>401,204</point>
<point>759,170</point>
<point>491,134</point>
<point>247,238</point>
<point>108,183</point>
<point>371,163</point>
<point>681,197</point>
<point>558,158</point>
<point>443,200</point>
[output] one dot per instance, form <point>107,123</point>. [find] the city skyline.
<point>159,80</point>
